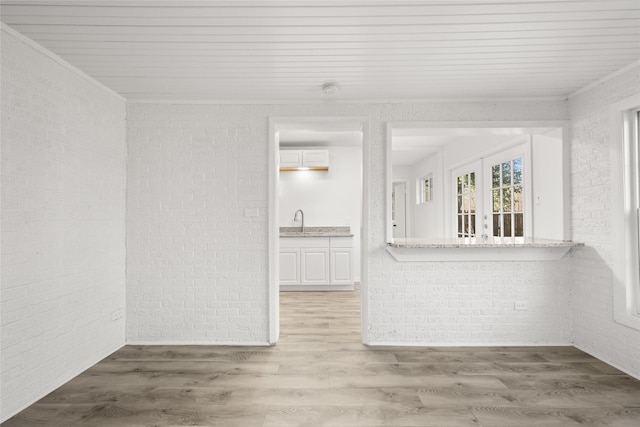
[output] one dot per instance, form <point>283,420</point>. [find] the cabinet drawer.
<point>342,242</point>
<point>304,242</point>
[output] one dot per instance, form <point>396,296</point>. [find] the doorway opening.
<point>318,220</point>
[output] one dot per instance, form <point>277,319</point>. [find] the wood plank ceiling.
<point>376,50</point>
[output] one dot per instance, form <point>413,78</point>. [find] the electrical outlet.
<point>520,306</point>
<point>117,314</point>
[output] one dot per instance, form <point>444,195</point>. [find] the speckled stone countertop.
<point>506,242</point>
<point>332,231</point>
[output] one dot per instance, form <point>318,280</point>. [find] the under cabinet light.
<point>305,168</point>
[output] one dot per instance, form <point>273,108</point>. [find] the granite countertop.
<point>506,242</point>
<point>331,231</point>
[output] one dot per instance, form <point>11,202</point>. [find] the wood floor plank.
<point>332,416</point>
<point>320,374</point>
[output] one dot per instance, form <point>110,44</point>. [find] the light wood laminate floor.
<point>320,375</point>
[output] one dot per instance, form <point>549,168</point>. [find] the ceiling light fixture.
<point>330,88</point>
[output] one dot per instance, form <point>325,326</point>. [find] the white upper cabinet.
<point>290,158</point>
<point>315,158</point>
<point>304,159</point>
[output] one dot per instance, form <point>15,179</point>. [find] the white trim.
<point>60,382</point>
<point>273,275</point>
<point>468,344</point>
<point>364,235</point>
<point>192,342</point>
<point>604,79</point>
<point>43,50</point>
<point>625,301</point>
<point>389,182</point>
<point>274,229</point>
<point>607,361</point>
<point>482,253</point>
<point>403,101</point>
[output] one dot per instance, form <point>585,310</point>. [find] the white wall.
<point>428,218</point>
<point>595,331</point>
<point>63,221</point>
<point>197,268</point>
<point>327,198</point>
<point>548,197</point>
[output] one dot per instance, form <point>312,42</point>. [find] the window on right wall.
<point>625,168</point>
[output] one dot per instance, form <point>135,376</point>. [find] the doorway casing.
<point>275,124</point>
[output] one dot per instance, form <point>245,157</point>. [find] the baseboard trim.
<point>605,360</point>
<point>214,343</point>
<point>60,383</point>
<point>467,344</point>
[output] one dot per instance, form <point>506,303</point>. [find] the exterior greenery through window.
<point>466,202</point>
<point>507,199</point>
<point>426,187</point>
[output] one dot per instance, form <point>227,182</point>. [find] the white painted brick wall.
<point>594,329</point>
<point>197,269</point>
<point>63,204</point>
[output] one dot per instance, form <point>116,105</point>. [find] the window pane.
<point>465,183</point>
<point>460,185</point>
<point>506,199</point>
<point>496,200</point>
<point>459,225</point>
<point>495,176</point>
<point>473,202</point>
<point>459,204</point>
<point>507,225</point>
<point>466,224</point>
<point>472,182</point>
<point>519,220</point>
<point>518,204</point>
<point>473,225</point>
<point>506,173</point>
<point>517,171</point>
<point>466,202</point>
<point>496,225</point>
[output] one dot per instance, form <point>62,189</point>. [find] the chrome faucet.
<point>295,218</point>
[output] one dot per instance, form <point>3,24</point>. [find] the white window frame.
<point>523,151</point>
<point>420,199</point>
<point>626,265</point>
<point>471,167</point>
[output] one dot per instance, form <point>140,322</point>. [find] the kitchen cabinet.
<point>313,159</point>
<point>316,263</point>
<point>290,266</point>
<point>314,266</point>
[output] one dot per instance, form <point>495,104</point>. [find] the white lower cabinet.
<point>341,266</point>
<point>289,266</point>
<point>316,263</point>
<point>314,266</point>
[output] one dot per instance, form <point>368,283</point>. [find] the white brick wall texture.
<point>594,329</point>
<point>197,268</point>
<point>63,213</point>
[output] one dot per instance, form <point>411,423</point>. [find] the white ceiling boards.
<point>380,50</point>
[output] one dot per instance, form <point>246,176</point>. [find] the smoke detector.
<point>330,88</point>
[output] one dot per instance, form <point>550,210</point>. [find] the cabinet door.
<point>290,158</point>
<point>315,266</point>
<point>315,158</point>
<point>341,266</point>
<point>289,266</point>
